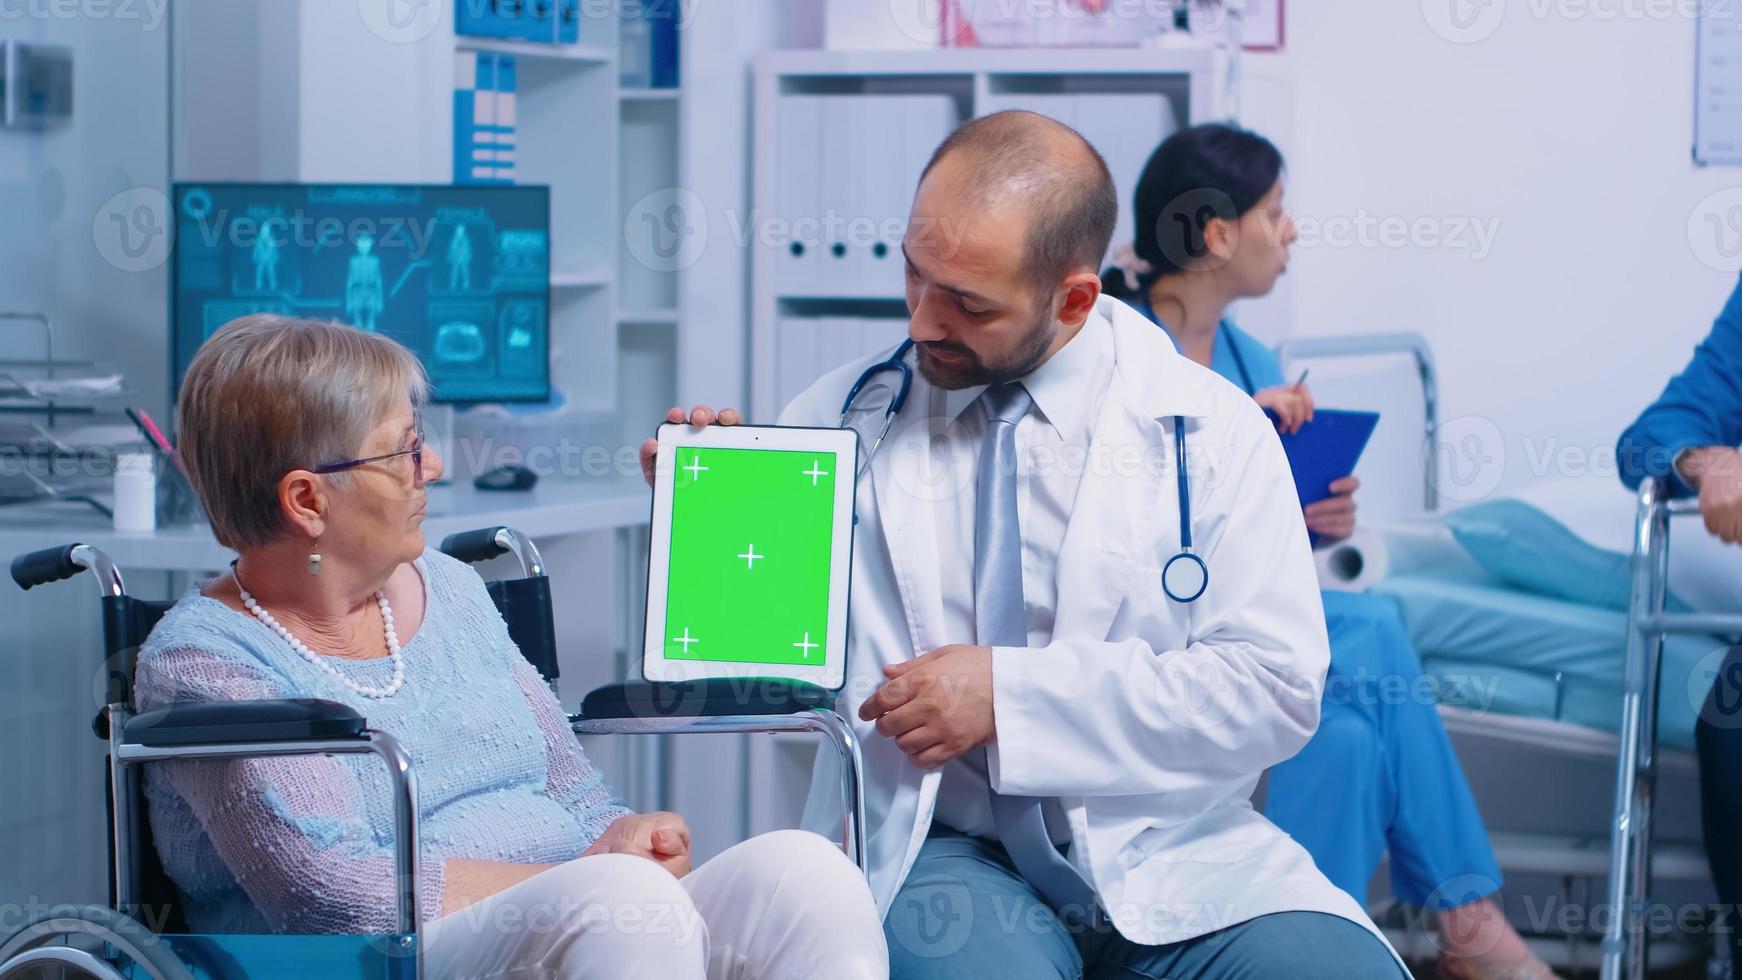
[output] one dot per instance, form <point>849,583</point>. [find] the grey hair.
<point>268,394</point>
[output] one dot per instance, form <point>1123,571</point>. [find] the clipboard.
<point>1326,449</point>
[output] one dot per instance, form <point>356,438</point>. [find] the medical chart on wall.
<point>1718,85</point>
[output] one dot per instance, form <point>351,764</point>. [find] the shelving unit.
<point>602,148</point>
<point>1186,85</point>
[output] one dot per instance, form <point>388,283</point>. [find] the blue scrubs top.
<point>1237,355</point>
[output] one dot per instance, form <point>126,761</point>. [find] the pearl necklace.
<point>324,663</point>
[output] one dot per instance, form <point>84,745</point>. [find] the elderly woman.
<point>303,441</point>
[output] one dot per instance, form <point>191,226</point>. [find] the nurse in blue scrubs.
<point>1380,774</point>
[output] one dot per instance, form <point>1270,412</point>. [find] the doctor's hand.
<point>1717,473</point>
<point>1293,405</point>
<point>661,837</point>
<point>1333,518</point>
<point>936,706</point>
<point>698,416</point>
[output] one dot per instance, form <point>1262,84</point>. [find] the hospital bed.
<point>1552,707</point>
<point>142,932</point>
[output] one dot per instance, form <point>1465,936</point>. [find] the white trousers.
<point>783,905</point>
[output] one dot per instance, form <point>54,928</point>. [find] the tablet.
<point>750,554</point>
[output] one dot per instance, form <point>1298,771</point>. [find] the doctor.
<point>1058,756</point>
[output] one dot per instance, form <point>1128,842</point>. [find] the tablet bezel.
<point>844,444</point>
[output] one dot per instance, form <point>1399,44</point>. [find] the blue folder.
<point>1326,449</point>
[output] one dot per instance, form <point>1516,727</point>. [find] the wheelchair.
<point>1624,940</point>
<point>142,932</point>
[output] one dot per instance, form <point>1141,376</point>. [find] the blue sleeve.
<point>1702,406</point>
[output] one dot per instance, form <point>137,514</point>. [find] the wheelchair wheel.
<point>63,938</point>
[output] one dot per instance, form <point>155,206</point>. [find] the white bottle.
<point>135,491</point>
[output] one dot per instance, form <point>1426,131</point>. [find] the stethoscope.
<point>1185,576</point>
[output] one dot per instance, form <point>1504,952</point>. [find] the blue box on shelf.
<point>662,22</point>
<point>484,113</point>
<point>539,21</point>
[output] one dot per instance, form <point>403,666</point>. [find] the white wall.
<point>61,254</point>
<point>222,81</point>
<point>59,251</point>
<point>1573,134</point>
<point>312,91</point>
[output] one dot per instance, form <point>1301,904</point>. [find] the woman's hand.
<point>1293,406</point>
<point>661,837</point>
<point>700,415</point>
<point>1333,518</point>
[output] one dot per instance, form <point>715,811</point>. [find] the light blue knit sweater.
<point>304,845</point>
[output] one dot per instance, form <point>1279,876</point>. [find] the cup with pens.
<point>152,488</point>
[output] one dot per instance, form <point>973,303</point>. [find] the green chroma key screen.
<point>751,536</point>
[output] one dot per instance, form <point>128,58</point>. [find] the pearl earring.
<point>314,561</point>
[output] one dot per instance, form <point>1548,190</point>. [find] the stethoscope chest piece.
<point>1184,577</point>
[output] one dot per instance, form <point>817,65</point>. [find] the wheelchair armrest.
<point>223,722</point>
<point>715,697</point>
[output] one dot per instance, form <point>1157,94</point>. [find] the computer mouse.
<point>506,478</point>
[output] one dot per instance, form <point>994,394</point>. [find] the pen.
<point>155,436</point>
<point>1302,379</point>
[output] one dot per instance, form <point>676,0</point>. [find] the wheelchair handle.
<point>485,543</point>
<point>56,564</point>
<point>45,566</point>
<point>474,546</point>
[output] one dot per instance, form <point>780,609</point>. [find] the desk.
<point>555,507</point>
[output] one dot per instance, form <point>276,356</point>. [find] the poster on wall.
<point>1261,27</point>
<point>1718,86</point>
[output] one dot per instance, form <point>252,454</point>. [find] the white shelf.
<point>969,62</point>
<point>579,280</point>
<point>648,94</point>
<point>844,295</point>
<point>648,317</point>
<point>573,53</point>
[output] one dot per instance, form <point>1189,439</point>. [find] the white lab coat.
<point>1149,720</point>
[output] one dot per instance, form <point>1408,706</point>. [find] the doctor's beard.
<point>971,370</point>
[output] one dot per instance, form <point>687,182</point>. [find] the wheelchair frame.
<point>129,747</point>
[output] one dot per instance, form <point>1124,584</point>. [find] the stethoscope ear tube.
<point>896,362</point>
<point>1185,487</point>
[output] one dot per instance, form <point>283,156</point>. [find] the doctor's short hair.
<point>268,394</point>
<point>1026,158</point>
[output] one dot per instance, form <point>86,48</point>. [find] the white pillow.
<point>1704,572</point>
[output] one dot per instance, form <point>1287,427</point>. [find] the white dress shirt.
<point>1052,443</point>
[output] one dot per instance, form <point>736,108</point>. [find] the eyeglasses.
<point>415,452</point>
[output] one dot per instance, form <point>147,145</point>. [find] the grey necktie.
<point>1000,620</point>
